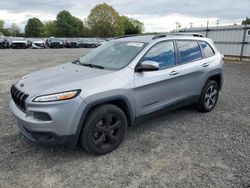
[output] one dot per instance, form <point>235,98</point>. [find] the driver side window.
<point>162,53</point>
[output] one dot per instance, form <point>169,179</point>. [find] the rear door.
<point>193,67</point>
<point>157,89</point>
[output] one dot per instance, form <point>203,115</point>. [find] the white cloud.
<point>157,15</point>
<point>168,22</point>
<point>21,18</point>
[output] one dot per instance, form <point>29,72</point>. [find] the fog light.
<point>42,116</point>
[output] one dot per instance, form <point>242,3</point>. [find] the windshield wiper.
<point>77,61</point>
<point>93,65</point>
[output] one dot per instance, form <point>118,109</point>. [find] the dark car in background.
<point>71,43</point>
<point>18,43</point>
<point>90,43</point>
<point>4,43</point>
<point>55,43</point>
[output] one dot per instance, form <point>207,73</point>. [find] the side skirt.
<point>167,108</point>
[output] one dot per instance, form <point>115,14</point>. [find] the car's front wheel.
<point>209,97</point>
<point>104,130</point>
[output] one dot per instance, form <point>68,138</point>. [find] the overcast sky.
<point>157,15</point>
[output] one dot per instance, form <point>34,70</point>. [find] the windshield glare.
<point>113,54</point>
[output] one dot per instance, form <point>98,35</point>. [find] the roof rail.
<point>159,36</point>
<point>180,33</point>
<point>133,35</point>
<point>187,34</point>
<point>125,36</point>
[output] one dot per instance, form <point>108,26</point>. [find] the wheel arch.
<point>119,101</point>
<point>217,78</point>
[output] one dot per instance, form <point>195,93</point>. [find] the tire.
<point>100,137</point>
<point>209,97</point>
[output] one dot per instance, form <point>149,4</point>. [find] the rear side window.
<point>189,51</point>
<point>162,53</point>
<point>206,48</point>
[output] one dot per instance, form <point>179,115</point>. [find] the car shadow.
<point>16,149</point>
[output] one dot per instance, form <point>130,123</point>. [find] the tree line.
<point>103,21</point>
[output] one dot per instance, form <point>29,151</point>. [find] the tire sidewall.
<point>93,119</point>
<point>202,105</point>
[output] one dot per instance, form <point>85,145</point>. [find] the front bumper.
<point>61,129</point>
<point>38,46</point>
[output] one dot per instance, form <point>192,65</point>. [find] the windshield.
<point>113,55</point>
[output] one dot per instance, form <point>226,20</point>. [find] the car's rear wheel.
<point>209,97</point>
<point>104,129</point>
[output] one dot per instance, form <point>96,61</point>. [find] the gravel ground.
<point>182,148</point>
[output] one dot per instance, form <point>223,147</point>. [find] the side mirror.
<point>148,66</point>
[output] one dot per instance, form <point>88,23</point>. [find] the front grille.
<point>19,45</point>
<point>18,97</point>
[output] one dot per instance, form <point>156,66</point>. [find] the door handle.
<point>205,64</point>
<point>173,73</point>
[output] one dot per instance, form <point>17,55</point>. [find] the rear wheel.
<point>209,97</point>
<point>104,129</point>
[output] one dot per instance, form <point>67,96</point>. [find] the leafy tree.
<point>68,25</point>
<point>50,29</point>
<point>5,32</point>
<point>14,30</point>
<point>1,24</point>
<point>246,21</point>
<point>1,27</point>
<point>105,21</point>
<point>132,26</point>
<point>34,28</point>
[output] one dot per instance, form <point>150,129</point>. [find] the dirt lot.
<point>182,148</point>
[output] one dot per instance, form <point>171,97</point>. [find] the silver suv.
<point>94,99</point>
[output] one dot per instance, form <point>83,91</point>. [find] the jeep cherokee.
<point>94,99</point>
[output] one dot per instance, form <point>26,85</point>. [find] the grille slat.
<point>18,97</point>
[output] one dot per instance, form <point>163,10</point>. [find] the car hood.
<point>62,77</point>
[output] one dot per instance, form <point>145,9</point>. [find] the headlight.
<point>57,96</point>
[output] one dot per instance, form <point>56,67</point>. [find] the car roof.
<point>160,37</point>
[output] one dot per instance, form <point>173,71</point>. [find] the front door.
<point>157,89</point>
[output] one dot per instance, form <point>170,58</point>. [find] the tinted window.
<point>189,51</point>
<point>162,53</point>
<point>207,50</point>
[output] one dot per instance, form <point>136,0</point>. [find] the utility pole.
<point>191,24</point>
<point>207,28</point>
<point>217,23</point>
<point>177,26</point>
<point>244,40</point>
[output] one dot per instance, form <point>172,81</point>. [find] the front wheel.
<point>209,97</point>
<point>104,129</point>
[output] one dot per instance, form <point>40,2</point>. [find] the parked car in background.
<point>81,43</point>
<point>29,43</point>
<point>4,43</point>
<point>38,44</point>
<point>18,43</point>
<point>55,43</point>
<point>71,43</point>
<point>102,41</point>
<point>91,43</point>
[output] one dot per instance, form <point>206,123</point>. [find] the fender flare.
<point>131,115</point>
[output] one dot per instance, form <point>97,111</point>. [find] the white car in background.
<point>38,44</point>
<point>18,43</point>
